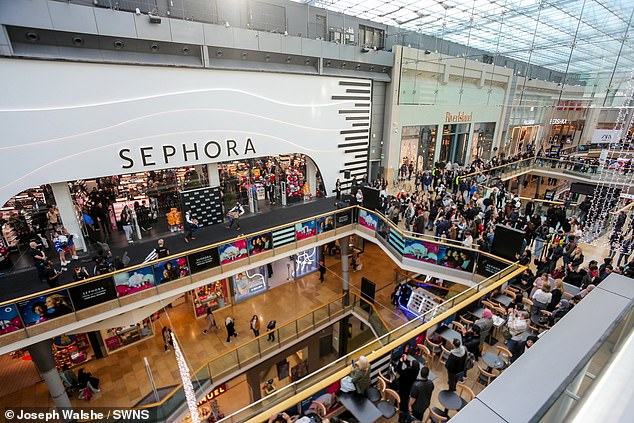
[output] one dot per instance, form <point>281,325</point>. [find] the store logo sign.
<point>459,117</point>
<point>217,391</point>
<point>529,121</point>
<point>558,121</point>
<point>151,156</point>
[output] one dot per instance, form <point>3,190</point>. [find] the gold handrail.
<point>170,257</point>
<point>393,226</point>
<point>234,349</point>
<point>375,354</point>
<point>376,311</point>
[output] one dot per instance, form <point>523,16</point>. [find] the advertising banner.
<point>45,307</point>
<point>249,283</point>
<point>456,258</point>
<point>260,243</point>
<point>233,251</point>
<point>170,270</point>
<point>134,281</point>
<point>93,293</point>
<point>421,250</point>
<point>305,230</point>
<point>325,224</point>
<point>605,136</point>
<point>368,220</point>
<point>9,319</point>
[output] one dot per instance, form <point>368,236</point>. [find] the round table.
<point>493,361</point>
<point>450,400</point>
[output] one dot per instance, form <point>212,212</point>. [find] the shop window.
<point>418,147</point>
<point>215,295</point>
<point>482,144</point>
<point>371,37</point>
<point>118,338</point>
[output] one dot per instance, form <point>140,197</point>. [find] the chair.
<point>319,408</point>
<point>527,302</point>
<point>436,416</point>
<point>488,304</point>
<point>374,394</point>
<point>444,355</point>
<point>484,378</point>
<point>513,289</point>
<point>466,394</point>
<point>424,352</point>
<point>500,311</point>
<point>509,293</point>
<point>465,321</point>
<point>435,349</point>
<point>387,408</point>
<point>381,385</point>
<point>504,354</point>
<point>457,326</point>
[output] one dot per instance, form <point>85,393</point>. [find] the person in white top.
<point>543,294</point>
<point>359,197</point>
<point>468,240</point>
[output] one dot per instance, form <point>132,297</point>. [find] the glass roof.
<point>578,36</point>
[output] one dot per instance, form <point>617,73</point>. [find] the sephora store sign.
<point>65,121</point>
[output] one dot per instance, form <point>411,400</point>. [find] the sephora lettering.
<point>151,156</point>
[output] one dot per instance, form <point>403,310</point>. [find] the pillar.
<point>311,176</point>
<point>42,356</point>
<point>66,207</point>
<point>345,276</point>
<point>520,184</point>
<point>214,176</point>
<point>539,182</point>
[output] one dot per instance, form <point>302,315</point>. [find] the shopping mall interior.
<point>318,211</point>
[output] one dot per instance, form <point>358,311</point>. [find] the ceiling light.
<point>219,53</point>
<point>185,50</point>
<point>154,48</point>
<point>288,59</point>
<point>244,56</point>
<point>78,41</point>
<point>118,44</point>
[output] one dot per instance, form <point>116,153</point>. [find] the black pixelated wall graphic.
<point>205,204</point>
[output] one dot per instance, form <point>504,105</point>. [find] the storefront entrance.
<point>453,147</point>
<point>418,146</point>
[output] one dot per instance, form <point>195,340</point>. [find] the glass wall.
<point>418,146</point>
<point>482,144</point>
<point>455,139</point>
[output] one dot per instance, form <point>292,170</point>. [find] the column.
<point>214,176</point>
<point>520,184</point>
<point>311,176</point>
<point>42,356</point>
<point>345,276</point>
<point>64,202</point>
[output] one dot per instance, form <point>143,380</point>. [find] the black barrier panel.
<point>93,293</point>
<point>343,218</point>
<point>488,267</point>
<point>203,260</point>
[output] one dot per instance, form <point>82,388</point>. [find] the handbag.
<point>347,385</point>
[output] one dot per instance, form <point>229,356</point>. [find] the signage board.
<point>605,136</point>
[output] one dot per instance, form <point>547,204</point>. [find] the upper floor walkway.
<point>45,314</point>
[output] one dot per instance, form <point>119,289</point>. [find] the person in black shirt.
<point>420,395</point>
<point>51,274</point>
<point>39,260</point>
<point>162,251</point>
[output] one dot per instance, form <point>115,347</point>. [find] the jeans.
<point>539,246</point>
<point>128,232</point>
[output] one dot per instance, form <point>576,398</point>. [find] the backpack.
<point>470,361</point>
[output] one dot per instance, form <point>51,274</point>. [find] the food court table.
<point>361,408</point>
<point>493,361</point>
<point>448,334</point>
<point>505,300</point>
<point>450,400</point>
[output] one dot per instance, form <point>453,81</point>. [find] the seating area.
<point>433,350</point>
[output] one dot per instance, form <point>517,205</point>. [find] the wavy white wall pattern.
<point>62,121</point>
